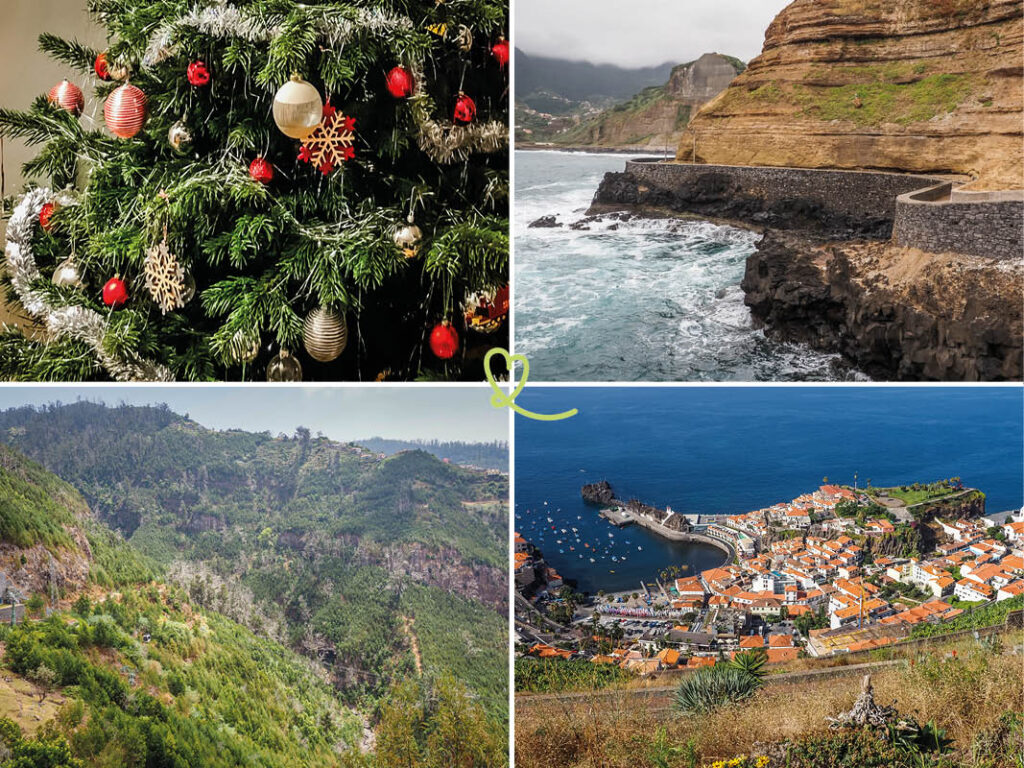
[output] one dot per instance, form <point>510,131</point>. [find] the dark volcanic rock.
<point>896,313</point>
<point>598,493</point>
<point>718,195</point>
<point>548,222</point>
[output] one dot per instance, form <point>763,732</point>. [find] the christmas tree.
<point>257,185</point>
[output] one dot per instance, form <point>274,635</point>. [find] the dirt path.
<point>407,625</point>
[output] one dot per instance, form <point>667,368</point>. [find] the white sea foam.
<point>635,299</point>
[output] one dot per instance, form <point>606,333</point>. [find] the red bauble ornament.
<point>67,96</point>
<point>444,341</point>
<point>500,52</point>
<point>197,73</point>
<point>261,170</point>
<point>115,293</point>
<point>45,213</point>
<point>400,83</point>
<point>125,111</point>
<point>100,65</point>
<point>465,110</point>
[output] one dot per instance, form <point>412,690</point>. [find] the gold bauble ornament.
<point>244,347</point>
<point>408,239</point>
<point>284,367</point>
<point>324,334</point>
<point>180,138</point>
<point>298,108</point>
<point>67,274</point>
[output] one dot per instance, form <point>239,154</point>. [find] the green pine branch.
<point>73,53</point>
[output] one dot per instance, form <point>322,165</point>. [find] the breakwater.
<point>664,522</point>
<point>920,211</point>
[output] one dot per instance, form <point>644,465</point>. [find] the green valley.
<point>202,597</point>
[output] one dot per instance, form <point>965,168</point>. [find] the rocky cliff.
<point>897,313</point>
<point>914,85</point>
<point>655,117</point>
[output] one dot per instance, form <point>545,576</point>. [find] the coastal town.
<point>837,570</point>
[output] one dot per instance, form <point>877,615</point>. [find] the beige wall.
<point>26,72</point>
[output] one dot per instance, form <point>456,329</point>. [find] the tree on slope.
<point>198,216</point>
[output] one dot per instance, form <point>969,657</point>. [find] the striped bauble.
<point>68,96</point>
<point>324,334</point>
<point>125,111</point>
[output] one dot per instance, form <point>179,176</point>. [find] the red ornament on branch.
<point>115,293</point>
<point>400,83</point>
<point>500,52</point>
<point>101,67</point>
<point>261,170</point>
<point>125,111</point>
<point>465,109</point>
<point>197,74</point>
<point>444,341</point>
<point>45,214</point>
<point>67,96</point>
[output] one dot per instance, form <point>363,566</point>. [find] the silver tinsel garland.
<point>443,142</point>
<point>225,21</point>
<point>70,320</point>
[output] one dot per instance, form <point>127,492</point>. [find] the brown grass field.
<point>965,694</point>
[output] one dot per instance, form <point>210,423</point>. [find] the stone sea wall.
<point>941,220</point>
<point>840,204</point>
<point>915,211</point>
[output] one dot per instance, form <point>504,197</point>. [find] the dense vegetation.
<point>975,618</point>
<point>555,675</point>
<point>269,546</point>
<point>151,682</point>
<point>299,538</point>
<point>37,507</point>
<point>493,455</point>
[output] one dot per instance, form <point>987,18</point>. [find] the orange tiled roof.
<point>700,661</point>
<point>776,655</point>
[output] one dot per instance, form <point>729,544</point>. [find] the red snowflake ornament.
<point>330,143</point>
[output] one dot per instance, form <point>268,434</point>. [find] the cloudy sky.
<point>639,33</point>
<point>341,413</point>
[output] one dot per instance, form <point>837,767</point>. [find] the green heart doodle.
<point>501,399</point>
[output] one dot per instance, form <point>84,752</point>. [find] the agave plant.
<point>712,687</point>
<point>751,662</point>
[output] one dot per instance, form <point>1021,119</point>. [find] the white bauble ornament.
<point>67,274</point>
<point>180,138</point>
<point>298,108</point>
<point>324,334</point>
<point>408,239</point>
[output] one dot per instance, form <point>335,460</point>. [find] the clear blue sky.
<point>341,413</point>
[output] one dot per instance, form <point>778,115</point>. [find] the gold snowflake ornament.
<point>165,278</point>
<point>330,143</point>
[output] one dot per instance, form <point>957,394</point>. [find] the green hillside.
<point>130,670</point>
<point>312,543</point>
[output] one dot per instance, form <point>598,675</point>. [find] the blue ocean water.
<point>733,449</point>
<point>643,300</point>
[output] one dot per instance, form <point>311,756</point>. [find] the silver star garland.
<point>70,320</point>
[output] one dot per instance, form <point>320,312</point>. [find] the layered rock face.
<point>897,313</point>
<point>655,118</point>
<point>931,86</point>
